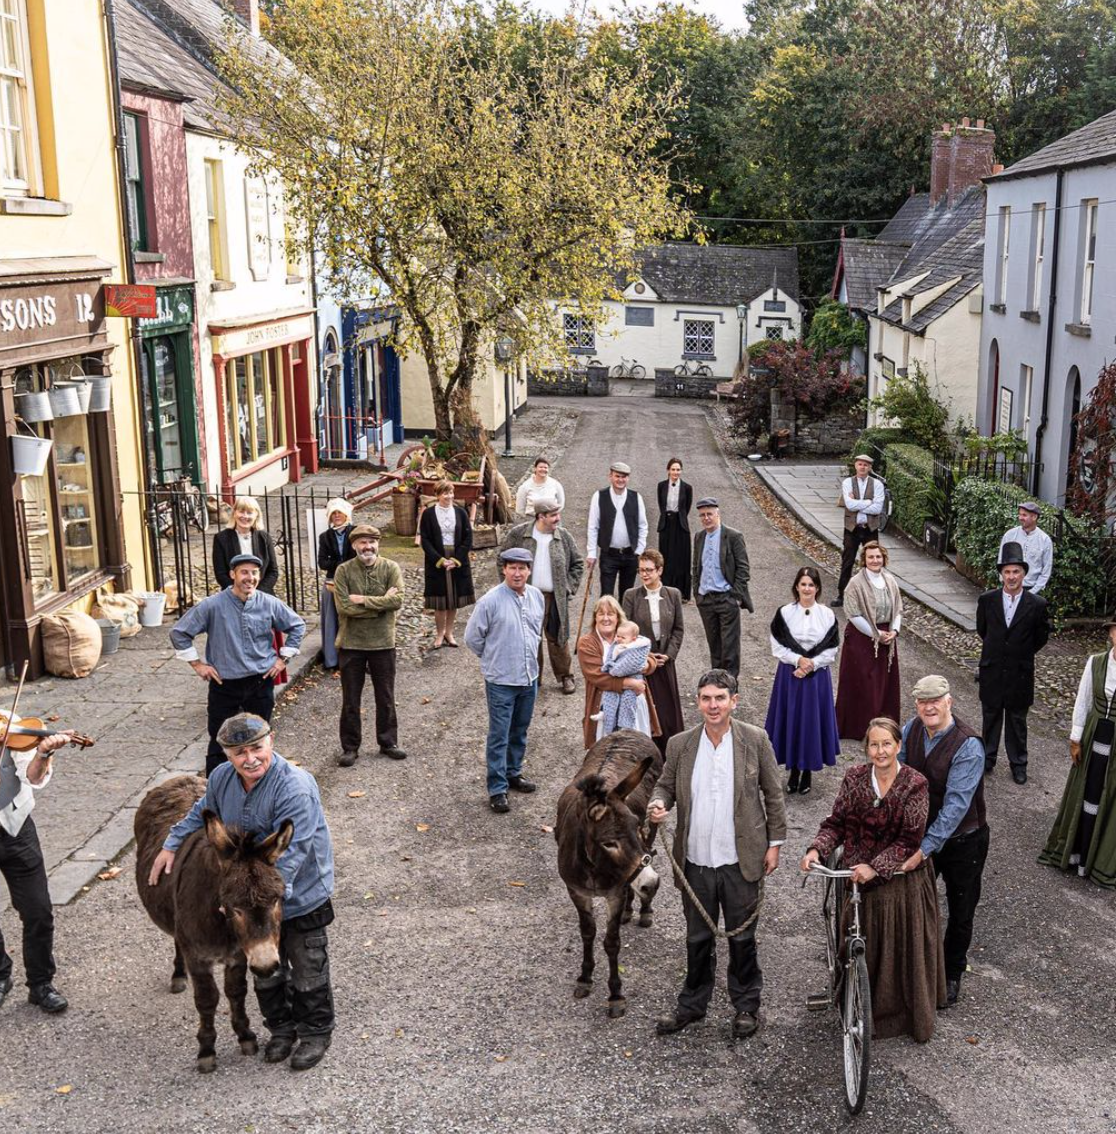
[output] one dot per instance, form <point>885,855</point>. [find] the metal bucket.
<point>30,455</point>
<point>34,406</point>
<point>110,636</point>
<point>100,394</point>
<point>151,613</point>
<point>84,393</point>
<point>64,399</point>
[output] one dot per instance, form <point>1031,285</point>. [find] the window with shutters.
<point>133,175</point>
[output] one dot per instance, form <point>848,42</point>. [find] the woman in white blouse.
<point>447,538</point>
<point>540,485</point>
<point>800,718</point>
<point>1084,834</point>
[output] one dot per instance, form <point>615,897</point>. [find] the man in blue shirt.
<point>951,757</point>
<point>257,790</point>
<point>241,663</point>
<point>504,631</point>
<point>720,573</point>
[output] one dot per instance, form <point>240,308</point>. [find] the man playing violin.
<point>22,773</point>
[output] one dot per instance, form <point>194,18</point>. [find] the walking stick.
<point>584,604</point>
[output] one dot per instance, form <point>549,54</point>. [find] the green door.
<point>172,420</point>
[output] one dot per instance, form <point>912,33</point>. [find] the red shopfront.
<point>262,370</point>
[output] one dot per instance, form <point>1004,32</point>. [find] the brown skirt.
<point>866,687</point>
<point>663,687</point>
<point>906,964</point>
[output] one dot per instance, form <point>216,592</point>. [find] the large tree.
<point>479,162</point>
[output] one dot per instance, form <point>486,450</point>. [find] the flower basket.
<point>404,506</point>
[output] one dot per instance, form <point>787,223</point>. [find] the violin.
<point>24,733</point>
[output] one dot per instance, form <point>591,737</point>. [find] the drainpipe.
<point>130,278</point>
<point>1050,311</point>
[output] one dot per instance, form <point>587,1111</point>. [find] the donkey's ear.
<point>276,843</point>
<point>218,834</point>
<point>593,788</point>
<point>633,779</point>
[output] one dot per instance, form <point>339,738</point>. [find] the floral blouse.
<point>883,833</point>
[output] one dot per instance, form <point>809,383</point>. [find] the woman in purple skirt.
<point>800,719</point>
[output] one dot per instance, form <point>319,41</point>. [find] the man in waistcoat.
<point>617,531</point>
<point>951,757</point>
<point>863,497</point>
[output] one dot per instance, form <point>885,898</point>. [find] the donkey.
<point>602,852</point>
<point>222,902</point>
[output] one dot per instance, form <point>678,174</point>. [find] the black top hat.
<point>1011,555</point>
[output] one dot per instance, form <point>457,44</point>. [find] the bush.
<point>983,510</point>
<point>910,476</point>
<point>874,440</point>
<point>908,402</point>
<point>833,328</point>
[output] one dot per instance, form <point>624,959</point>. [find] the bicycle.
<point>687,369</point>
<point>178,505</point>
<point>849,989</point>
<point>626,369</point>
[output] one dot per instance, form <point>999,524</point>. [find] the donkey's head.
<point>250,890</point>
<point>610,833</point>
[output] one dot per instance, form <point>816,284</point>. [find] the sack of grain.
<point>71,644</point>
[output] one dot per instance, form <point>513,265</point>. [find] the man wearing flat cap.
<point>556,570</point>
<point>505,631</point>
<point>241,662</point>
<point>256,790</point>
<point>1038,547</point>
<point>720,573</point>
<point>1013,626</point>
<point>617,531</point>
<point>368,592</point>
<point>863,498</point>
<point>951,757</point>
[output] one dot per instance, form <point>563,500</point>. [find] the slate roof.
<point>905,226</point>
<point>867,264</point>
<point>1094,144</point>
<point>720,275</point>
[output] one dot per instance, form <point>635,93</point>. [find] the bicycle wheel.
<point>681,370</point>
<point>856,1020</point>
<point>704,371</point>
<point>639,371</point>
<point>617,371</point>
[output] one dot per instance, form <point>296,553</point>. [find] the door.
<point>171,426</point>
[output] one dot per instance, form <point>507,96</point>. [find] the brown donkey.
<point>222,903</point>
<point>602,852</point>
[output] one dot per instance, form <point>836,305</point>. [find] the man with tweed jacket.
<point>731,824</point>
<point>556,571</point>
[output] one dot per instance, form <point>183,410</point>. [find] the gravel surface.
<point>455,946</point>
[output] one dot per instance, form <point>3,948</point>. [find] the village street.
<point>455,945</point>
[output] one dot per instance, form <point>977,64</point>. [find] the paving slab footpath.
<point>811,492</point>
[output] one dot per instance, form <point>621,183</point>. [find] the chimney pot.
<point>965,122</point>
<point>980,124</point>
<point>998,167</point>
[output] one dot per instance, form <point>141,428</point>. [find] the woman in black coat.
<point>447,538</point>
<point>334,549</point>
<point>675,499</point>
<point>244,533</point>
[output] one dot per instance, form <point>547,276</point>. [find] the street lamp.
<point>742,316</point>
<point>505,352</point>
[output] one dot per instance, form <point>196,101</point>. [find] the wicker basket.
<point>404,506</point>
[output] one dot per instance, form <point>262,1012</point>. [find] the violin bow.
<point>15,706</point>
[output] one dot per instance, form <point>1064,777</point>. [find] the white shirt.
<point>15,814</point>
<point>447,521</point>
<point>1084,700</point>
<point>1038,551</point>
<point>672,495</point>
<point>528,492</point>
<point>862,508</point>
<point>542,571</point>
<point>245,543</point>
<point>619,536</point>
<point>1011,604</point>
<point>712,836</point>
<point>807,629</point>
<point>654,598</point>
<point>860,622</point>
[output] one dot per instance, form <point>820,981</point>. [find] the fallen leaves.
<point>517,883</point>
<point>501,1059</point>
<point>65,1089</point>
<point>974,1040</point>
<point>547,828</point>
<point>422,827</point>
<point>110,874</point>
<point>357,794</point>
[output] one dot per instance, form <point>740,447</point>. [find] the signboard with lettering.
<point>257,224</point>
<point>241,340</point>
<point>42,321</point>
<point>1007,398</point>
<point>129,301</point>
<point>174,308</point>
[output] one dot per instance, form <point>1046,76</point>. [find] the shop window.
<point>133,175</point>
<point>697,338</point>
<point>18,147</point>
<point>215,219</point>
<point>255,420</point>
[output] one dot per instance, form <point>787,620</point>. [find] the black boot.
<point>804,784</point>
<point>48,998</point>
<point>309,1052</point>
<point>793,781</point>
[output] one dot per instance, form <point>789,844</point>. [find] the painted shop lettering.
<point>27,314</point>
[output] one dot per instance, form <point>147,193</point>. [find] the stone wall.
<point>591,382</point>
<point>835,433</point>
<point>670,385</point>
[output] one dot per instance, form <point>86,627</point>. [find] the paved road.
<point>454,985</point>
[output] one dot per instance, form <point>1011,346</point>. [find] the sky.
<point>728,13</point>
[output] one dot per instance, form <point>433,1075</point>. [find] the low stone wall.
<point>591,382</point>
<point>835,433</point>
<point>671,385</point>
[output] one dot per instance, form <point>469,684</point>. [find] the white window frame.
<point>1026,381</point>
<point>695,333</point>
<point>25,133</point>
<point>1004,244</point>
<point>1088,260</point>
<point>579,334</point>
<point>1038,242</point>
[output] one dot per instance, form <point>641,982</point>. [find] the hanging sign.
<point>130,301</point>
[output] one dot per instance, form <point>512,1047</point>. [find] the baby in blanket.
<point>626,658</point>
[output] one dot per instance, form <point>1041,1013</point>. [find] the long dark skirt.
<point>663,687</point>
<point>906,963</point>
<point>674,544</point>
<point>801,722</point>
<point>866,687</point>
<point>448,590</point>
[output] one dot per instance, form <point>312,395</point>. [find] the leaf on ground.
<point>65,1089</point>
<point>470,909</point>
<point>405,858</point>
<point>54,717</point>
<point>547,828</point>
<point>364,1035</point>
<point>422,826</point>
<point>627,1055</point>
<point>501,1059</point>
<point>357,794</point>
<point>517,883</point>
<point>398,1033</point>
<point>369,895</point>
<point>426,700</point>
<point>972,1039</point>
<point>110,874</point>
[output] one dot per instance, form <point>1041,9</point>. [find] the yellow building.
<point>65,526</point>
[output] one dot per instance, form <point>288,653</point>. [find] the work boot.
<point>499,803</point>
<point>278,1048</point>
<point>48,998</point>
<point>568,685</point>
<point>953,991</point>
<point>744,1025</point>
<point>676,1021</point>
<point>394,751</point>
<point>348,758</point>
<point>309,1053</point>
<point>521,783</point>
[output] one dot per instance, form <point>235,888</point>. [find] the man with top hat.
<point>951,757</point>
<point>720,577</point>
<point>557,567</point>
<point>863,499</point>
<point>1013,626</point>
<point>241,662</point>
<point>617,531</point>
<point>1038,547</point>
<point>505,632</point>
<point>368,592</point>
<point>256,790</point>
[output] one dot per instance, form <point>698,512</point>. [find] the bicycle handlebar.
<point>825,872</point>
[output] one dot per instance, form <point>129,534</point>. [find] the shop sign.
<point>246,339</point>
<point>35,322</point>
<point>174,307</point>
<point>257,218</point>
<point>129,301</point>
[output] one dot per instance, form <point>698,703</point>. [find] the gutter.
<point>1051,304</point>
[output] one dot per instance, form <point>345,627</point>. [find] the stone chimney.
<point>970,156</point>
<point>940,162</point>
<point>248,12</point>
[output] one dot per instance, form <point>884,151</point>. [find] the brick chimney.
<point>970,156</point>
<point>248,12</point>
<point>940,148</point>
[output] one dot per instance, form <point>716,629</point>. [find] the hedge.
<point>910,476</point>
<point>983,510</point>
<point>873,441</point>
